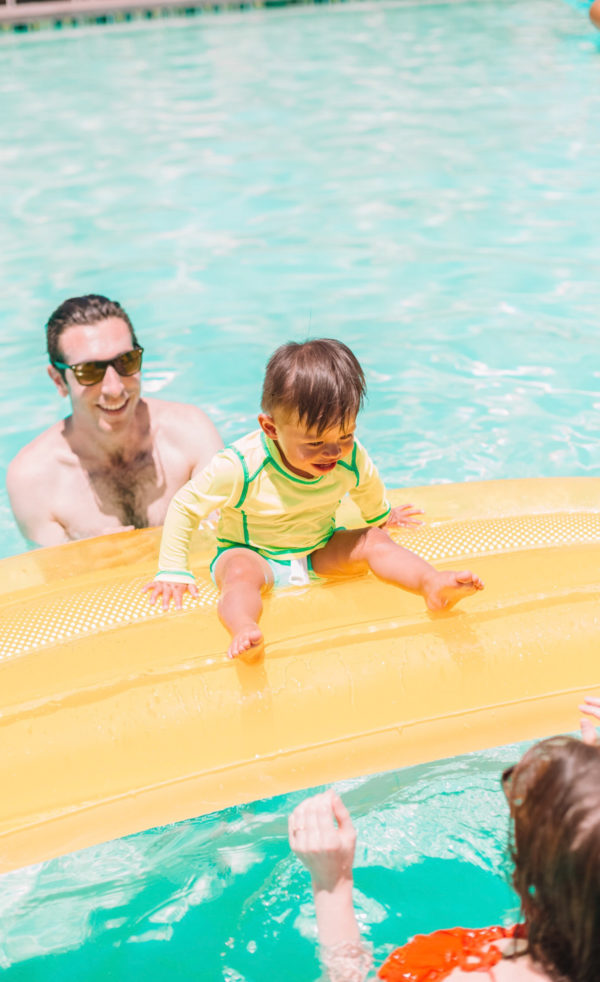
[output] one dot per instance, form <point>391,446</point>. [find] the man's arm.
<point>28,495</point>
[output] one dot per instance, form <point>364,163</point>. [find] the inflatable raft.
<point>117,717</point>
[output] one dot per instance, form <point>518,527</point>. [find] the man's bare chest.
<point>94,500</point>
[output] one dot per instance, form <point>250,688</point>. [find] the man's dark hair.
<point>91,309</point>
<point>320,380</point>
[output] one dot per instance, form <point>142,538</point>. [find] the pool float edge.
<point>114,719</point>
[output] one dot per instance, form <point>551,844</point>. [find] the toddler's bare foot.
<point>444,590</point>
<point>248,643</point>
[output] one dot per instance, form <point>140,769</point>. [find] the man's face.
<point>306,452</point>
<point>110,404</point>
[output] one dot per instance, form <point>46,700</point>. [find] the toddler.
<point>278,490</point>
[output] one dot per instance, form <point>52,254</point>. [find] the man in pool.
<point>117,460</point>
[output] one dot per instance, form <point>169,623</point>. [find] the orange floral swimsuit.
<point>432,957</point>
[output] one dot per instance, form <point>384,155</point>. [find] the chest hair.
<point>127,487</point>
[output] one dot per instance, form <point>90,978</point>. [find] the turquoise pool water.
<point>419,180</point>
<point>221,897</point>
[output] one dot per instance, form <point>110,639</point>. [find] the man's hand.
<point>169,591</point>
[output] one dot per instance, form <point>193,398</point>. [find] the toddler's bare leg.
<point>356,550</point>
<point>242,576</point>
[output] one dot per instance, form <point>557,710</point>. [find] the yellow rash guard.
<point>265,506</point>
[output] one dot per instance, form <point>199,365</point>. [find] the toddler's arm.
<point>369,494</point>
<point>214,487</point>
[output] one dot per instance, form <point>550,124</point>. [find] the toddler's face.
<point>307,453</point>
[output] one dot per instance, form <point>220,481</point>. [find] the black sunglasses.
<point>92,372</point>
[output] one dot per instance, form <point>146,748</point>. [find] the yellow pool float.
<point>118,717</point>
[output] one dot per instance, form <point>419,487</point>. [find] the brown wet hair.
<point>320,381</point>
<point>90,309</point>
<point>554,798</point>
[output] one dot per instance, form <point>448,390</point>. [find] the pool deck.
<point>14,14</point>
<point>22,14</point>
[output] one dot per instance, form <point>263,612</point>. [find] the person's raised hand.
<point>591,707</point>
<point>169,591</point>
<point>323,837</point>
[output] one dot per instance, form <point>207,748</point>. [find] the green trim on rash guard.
<point>291,477</point>
<point>268,552</point>
<point>181,576</point>
<point>248,479</point>
<point>372,521</point>
<point>242,461</point>
<point>352,465</point>
<point>264,506</point>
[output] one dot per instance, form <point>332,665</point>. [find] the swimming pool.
<point>412,179</point>
<point>221,897</point>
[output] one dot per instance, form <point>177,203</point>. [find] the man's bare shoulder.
<point>174,413</point>
<point>37,460</point>
<point>33,481</point>
<point>186,427</point>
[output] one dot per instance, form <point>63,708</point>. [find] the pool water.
<point>417,179</point>
<point>222,897</point>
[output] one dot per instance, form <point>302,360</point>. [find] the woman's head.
<point>554,797</point>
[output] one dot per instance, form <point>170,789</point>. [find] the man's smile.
<point>115,409</point>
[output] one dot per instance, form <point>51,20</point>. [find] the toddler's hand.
<point>168,591</point>
<point>404,515</point>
